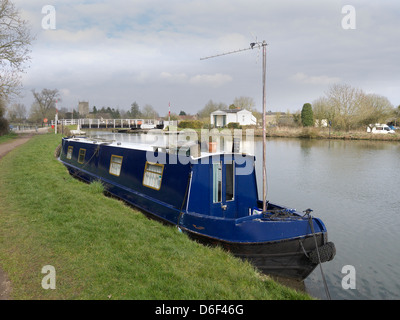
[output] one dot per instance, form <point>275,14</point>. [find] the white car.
<point>380,129</point>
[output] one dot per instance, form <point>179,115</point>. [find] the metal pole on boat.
<point>56,119</point>
<point>264,45</point>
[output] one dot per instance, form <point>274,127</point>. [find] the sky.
<point>112,53</point>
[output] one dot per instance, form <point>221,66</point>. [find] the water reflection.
<point>353,186</point>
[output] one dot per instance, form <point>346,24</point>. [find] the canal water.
<point>354,187</point>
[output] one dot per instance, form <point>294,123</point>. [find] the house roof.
<point>229,111</point>
<point>235,110</point>
<point>218,112</point>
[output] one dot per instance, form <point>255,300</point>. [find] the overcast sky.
<point>112,53</point>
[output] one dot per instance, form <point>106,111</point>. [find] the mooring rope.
<point>184,198</point>
<point>76,172</point>
<point>310,220</point>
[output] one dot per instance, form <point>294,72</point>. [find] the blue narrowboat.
<point>212,197</point>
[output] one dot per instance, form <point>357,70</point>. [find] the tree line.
<point>343,107</point>
<point>44,106</point>
<point>346,107</point>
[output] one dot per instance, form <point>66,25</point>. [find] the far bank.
<point>277,132</point>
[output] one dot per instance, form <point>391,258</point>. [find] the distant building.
<point>323,123</point>
<point>221,118</point>
<point>83,108</point>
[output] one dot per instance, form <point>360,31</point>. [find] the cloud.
<point>314,80</point>
<point>214,80</point>
<point>66,38</point>
<point>113,50</point>
<point>174,78</point>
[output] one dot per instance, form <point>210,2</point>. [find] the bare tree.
<point>15,41</point>
<point>45,103</point>
<point>375,109</point>
<point>149,112</point>
<point>349,107</point>
<point>17,112</point>
<point>346,102</point>
<point>244,103</point>
<point>211,106</point>
<point>396,115</point>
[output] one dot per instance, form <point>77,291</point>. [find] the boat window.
<point>230,181</point>
<point>115,165</point>
<point>217,182</point>
<point>69,153</point>
<point>152,177</point>
<point>82,153</point>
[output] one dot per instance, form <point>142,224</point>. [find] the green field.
<point>100,247</point>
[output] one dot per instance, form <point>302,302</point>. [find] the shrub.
<point>310,133</point>
<point>4,127</point>
<point>233,125</point>
<point>192,124</point>
<point>307,115</point>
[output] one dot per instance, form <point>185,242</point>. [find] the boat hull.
<point>285,258</point>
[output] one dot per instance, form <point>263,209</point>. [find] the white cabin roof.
<point>143,146</point>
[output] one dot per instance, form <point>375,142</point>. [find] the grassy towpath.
<point>10,142</point>
<point>100,247</point>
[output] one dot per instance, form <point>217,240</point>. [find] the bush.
<point>192,124</point>
<point>307,115</point>
<point>234,125</point>
<point>4,126</point>
<point>310,133</point>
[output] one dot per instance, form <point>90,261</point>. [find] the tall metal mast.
<point>262,45</point>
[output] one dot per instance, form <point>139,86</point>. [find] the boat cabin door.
<point>223,189</point>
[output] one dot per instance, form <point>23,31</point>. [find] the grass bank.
<point>303,133</point>
<point>324,133</point>
<point>8,137</point>
<point>100,247</point>
<point>317,133</point>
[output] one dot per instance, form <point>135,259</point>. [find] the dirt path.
<point>5,284</point>
<point>8,146</point>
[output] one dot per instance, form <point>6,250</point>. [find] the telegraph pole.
<point>262,45</point>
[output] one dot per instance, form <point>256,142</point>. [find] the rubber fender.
<point>57,152</point>
<point>326,253</point>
